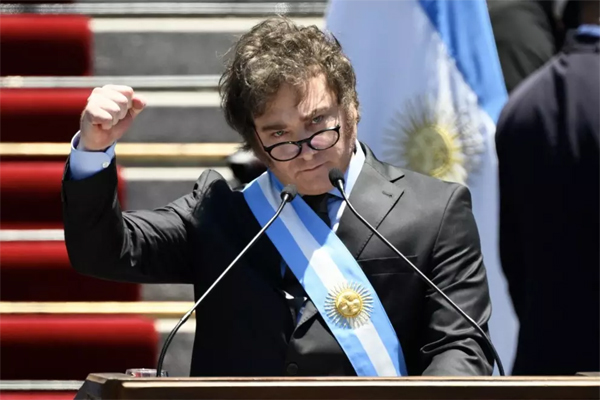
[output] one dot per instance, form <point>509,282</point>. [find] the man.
<point>548,151</point>
<point>319,295</point>
<point>525,33</point>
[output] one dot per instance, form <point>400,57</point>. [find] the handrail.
<point>163,151</point>
<point>171,8</point>
<point>154,309</point>
<point>39,385</point>
<point>148,82</point>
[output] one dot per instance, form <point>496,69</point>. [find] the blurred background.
<point>58,325</point>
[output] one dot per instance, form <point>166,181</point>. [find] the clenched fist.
<point>109,112</point>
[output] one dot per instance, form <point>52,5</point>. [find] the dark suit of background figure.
<point>245,327</point>
<point>526,36</point>
<point>547,143</point>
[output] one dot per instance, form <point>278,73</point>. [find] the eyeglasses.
<point>286,151</point>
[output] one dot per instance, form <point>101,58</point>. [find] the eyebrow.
<point>280,125</point>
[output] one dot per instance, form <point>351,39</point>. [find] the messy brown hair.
<point>277,52</point>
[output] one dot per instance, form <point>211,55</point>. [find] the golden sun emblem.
<point>432,150</point>
<point>434,140</point>
<point>349,305</point>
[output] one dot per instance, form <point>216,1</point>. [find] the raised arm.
<point>102,241</point>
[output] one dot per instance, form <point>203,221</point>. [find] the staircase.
<point>55,323</point>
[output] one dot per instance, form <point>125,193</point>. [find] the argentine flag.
<point>431,89</point>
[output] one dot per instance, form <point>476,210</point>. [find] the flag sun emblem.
<point>349,305</point>
<point>433,140</point>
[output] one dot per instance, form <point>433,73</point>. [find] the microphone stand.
<point>287,195</point>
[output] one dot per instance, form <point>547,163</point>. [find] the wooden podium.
<point>121,386</point>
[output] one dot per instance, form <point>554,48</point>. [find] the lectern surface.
<point>120,386</point>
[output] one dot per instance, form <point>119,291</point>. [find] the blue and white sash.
<point>332,279</point>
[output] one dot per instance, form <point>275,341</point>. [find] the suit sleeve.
<point>451,345</point>
<point>513,145</point>
<point>140,246</point>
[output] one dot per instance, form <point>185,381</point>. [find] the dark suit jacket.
<point>548,148</point>
<point>245,327</point>
<point>525,35</point>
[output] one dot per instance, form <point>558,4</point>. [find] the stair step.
<point>31,194</point>
<point>149,309</point>
<point>162,8</point>
<point>180,116</point>
<point>167,292</point>
<point>176,124</point>
<point>70,346</point>
<point>171,46</point>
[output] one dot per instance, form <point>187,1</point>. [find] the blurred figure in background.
<point>245,167</point>
<point>548,151</point>
<point>526,35</point>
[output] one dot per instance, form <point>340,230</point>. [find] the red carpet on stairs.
<point>38,1</point>
<point>41,115</point>
<point>37,395</point>
<point>70,347</point>
<point>40,271</point>
<point>30,195</point>
<point>51,347</point>
<point>50,45</point>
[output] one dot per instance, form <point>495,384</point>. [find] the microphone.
<point>336,177</point>
<point>287,195</point>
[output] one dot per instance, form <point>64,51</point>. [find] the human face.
<point>291,116</point>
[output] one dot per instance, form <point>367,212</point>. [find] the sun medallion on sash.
<point>349,305</point>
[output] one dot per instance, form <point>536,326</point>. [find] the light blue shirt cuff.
<point>83,164</point>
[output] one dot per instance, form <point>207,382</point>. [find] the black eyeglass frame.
<point>299,143</point>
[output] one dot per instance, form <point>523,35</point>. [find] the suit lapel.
<point>373,196</point>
